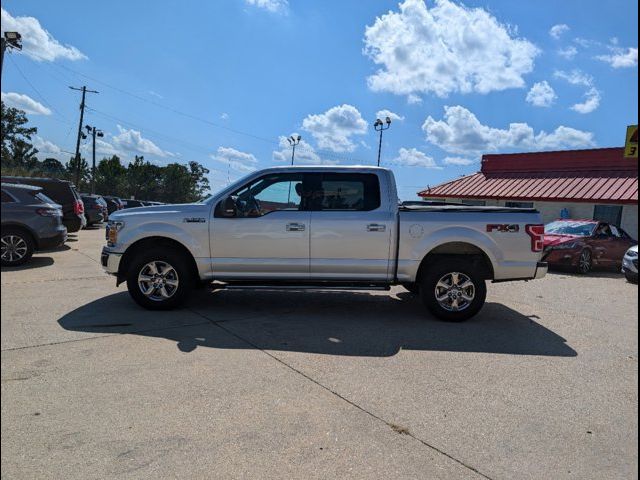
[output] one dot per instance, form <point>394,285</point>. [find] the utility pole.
<point>293,141</point>
<point>77,157</point>
<point>93,131</point>
<point>379,126</point>
<point>9,40</point>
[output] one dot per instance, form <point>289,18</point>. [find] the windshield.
<point>583,229</point>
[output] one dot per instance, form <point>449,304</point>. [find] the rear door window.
<point>6,198</point>
<point>344,191</point>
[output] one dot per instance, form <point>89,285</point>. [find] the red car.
<point>584,244</point>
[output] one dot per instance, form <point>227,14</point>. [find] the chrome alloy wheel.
<point>14,248</point>
<point>455,291</point>
<point>158,280</point>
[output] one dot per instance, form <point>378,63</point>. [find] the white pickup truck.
<point>323,227</point>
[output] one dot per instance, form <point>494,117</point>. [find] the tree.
<point>85,172</point>
<point>199,181</point>
<point>111,176</point>
<point>17,150</point>
<point>52,167</point>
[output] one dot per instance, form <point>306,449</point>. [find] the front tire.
<point>160,279</point>
<point>631,277</point>
<point>17,247</point>
<point>585,262</point>
<point>453,290</point>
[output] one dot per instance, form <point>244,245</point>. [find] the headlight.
<point>113,227</point>
<point>632,254</point>
<point>565,246</point>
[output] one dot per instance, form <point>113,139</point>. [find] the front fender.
<point>194,236</point>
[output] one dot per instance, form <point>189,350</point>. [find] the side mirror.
<point>229,209</point>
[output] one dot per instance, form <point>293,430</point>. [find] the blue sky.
<point>225,82</point>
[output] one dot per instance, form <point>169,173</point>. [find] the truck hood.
<point>160,211</point>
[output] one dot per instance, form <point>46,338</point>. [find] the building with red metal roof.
<point>596,183</point>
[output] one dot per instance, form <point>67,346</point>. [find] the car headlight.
<point>565,246</point>
<point>113,227</point>
<point>632,254</point>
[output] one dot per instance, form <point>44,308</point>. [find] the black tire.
<point>585,262</point>
<point>446,268</point>
<point>631,277</point>
<point>412,287</point>
<point>23,246</point>
<point>183,275</point>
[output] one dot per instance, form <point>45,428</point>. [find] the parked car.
<point>113,203</point>
<point>30,221</point>
<point>323,227</point>
<point>94,209</point>
<point>630,264</point>
<point>583,244</point>
<point>63,193</point>
<point>133,203</point>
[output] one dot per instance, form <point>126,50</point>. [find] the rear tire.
<point>631,277</point>
<point>160,279</point>
<point>453,289</point>
<point>17,246</point>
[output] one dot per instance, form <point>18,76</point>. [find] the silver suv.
<point>30,221</point>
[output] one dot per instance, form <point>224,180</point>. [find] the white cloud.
<point>155,94</point>
<point>38,43</point>
<point>413,99</point>
<point>24,102</point>
<point>45,146</point>
<point>235,159</point>
<point>413,158</point>
<point>132,141</point>
<point>224,116</point>
<point>569,52</point>
<point>305,153</point>
<point>541,95</point>
<point>444,49</point>
<point>460,161</point>
<point>382,114</point>
<point>592,94</point>
<point>334,128</point>
<point>274,6</point>
<point>620,57</point>
<point>461,132</point>
<point>557,30</point>
<point>591,101</point>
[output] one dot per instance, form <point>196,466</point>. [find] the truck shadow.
<point>322,322</point>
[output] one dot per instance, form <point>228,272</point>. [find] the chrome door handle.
<point>295,227</point>
<point>376,227</point>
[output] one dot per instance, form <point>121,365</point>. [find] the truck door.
<point>351,227</point>
<point>267,236</point>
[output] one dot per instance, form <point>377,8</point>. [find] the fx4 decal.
<point>503,228</point>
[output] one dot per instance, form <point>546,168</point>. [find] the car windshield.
<point>583,229</point>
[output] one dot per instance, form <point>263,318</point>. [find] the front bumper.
<point>630,265</point>
<point>110,261</point>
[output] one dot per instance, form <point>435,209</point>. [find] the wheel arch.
<point>24,228</point>
<point>154,242</point>
<point>456,249</point>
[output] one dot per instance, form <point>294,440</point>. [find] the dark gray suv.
<point>30,221</point>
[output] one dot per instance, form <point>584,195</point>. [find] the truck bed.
<point>463,208</point>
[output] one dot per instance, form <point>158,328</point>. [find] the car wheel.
<point>453,290</point>
<point>585,262</point>
<point>159,279</point>
<point>17,247</point>
<point>631,277</point>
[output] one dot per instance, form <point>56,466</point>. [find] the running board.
<point>301,286</point>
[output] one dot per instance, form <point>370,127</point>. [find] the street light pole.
<point>293,141</point>
<point>9,40</point>
<point>379,126</point>
<point>93,131</point>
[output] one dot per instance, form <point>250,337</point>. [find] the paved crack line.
<point>333,392</point>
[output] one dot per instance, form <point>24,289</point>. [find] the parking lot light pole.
<point>9,40</point>
<point>379,126</point>
<point>94,132</point>
<point>293,141</point>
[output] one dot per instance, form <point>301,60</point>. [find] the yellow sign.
<point>631,145</point>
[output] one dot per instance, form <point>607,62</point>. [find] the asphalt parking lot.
<point>280,384</point>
